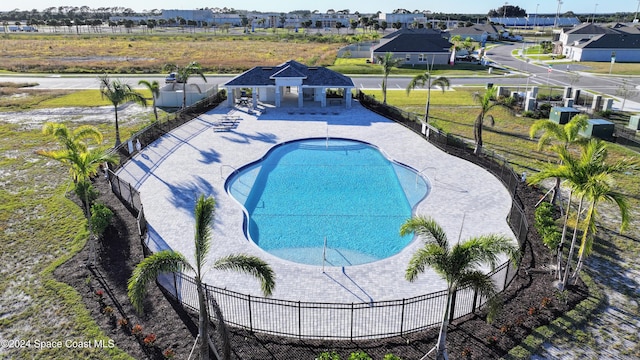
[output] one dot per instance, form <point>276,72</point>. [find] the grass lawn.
<point>41,228</point>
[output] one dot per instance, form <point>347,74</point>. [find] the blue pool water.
<point>344,191</point>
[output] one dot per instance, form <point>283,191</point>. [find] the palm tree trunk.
<point>441,347</point>
<point>426,114</point>
<point>477,132</point>
<point>203,322</point>
<point>184,94</point>
<point>564,234</point>
<point>384,90</point>
<point>556,190</point>
<point>118,142</point>
<point>573,245</point>
<point>585,238</point>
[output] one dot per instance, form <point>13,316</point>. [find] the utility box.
<point>634,122</point>
<point>562,115</point>
<point>600,128</point>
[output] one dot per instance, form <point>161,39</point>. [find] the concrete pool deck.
<point>195,159</point>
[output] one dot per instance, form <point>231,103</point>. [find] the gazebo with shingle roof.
<point>289,81</point>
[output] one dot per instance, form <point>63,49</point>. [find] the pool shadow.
<point>359,293</point>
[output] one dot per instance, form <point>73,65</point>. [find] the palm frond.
<point>427,228</point>
<point>251,265</point>
<point>204,213</point>
<point>430,255</point>
<point>148,270</point>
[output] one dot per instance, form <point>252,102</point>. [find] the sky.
<point>362,6</point>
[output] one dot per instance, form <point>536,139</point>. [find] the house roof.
<point>629,29</point>
<point>592,29</point>
<point>612,41</point>
<point>312,76</point>
<point>423,31</point>
<point>415,43</point>
<point>477,29</point>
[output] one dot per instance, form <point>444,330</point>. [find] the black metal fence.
<point>343,320</point>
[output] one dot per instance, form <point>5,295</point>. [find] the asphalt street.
<point>522,73</point>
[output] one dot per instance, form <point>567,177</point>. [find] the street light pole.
<point>637,8</point>
<point>535,22</point>
<point>593,18</point>
<point>555,24</point>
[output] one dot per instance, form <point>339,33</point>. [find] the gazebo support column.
<point>347,97</point>
<point>323,98</point>
<point>300,96</point>
<point>254,97</point>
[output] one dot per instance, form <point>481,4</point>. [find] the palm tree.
<point>83,162</point>
<point>589,177</point>
<point>457,264</point>
<point>565,135</point>
<point>183,74</point>
<point>387,62</point>
<point>487,102</point>
<point>118,93</point>
<point>154,88</point>
<point>173,261</point>
<point>421,80</point>
<point>600,188</point>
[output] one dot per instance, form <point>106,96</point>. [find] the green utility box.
<point>599,128</point>
<point>562,115</point>
<point>634,122</point>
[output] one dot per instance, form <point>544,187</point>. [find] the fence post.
<point>402,317</point>
<point>175,286</point>
<point>351,335</point>
<point>475,299</point>
<point>250,315</point>
<point>299,320</point>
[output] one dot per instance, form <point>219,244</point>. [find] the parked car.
<point>171,78</point>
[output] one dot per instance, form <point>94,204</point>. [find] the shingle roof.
<point>612,41</point>
<point>475,29</point>
<point>590,28</point>
<point>424,31</point>
<point>414,43</point>
<point>312,76</point>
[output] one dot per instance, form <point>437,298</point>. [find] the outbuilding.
<point>289,84</point>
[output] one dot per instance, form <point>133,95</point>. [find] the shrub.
<point>391,357</point>
<point>149,339</point>
<point>137,329</point>
<point>169,353</point>
<point>100,218</point>
<point>359,355</point>
<point>546,226</point>
<point>328,356</point>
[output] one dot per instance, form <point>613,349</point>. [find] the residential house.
<point>590,42</point>
<point>478,32</point>
<point>415,47</point>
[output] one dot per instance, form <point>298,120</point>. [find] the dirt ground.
<point>530,301</point>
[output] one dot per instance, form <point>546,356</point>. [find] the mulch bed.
<point>530,301</point>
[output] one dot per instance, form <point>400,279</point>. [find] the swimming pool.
<point>345,192</point>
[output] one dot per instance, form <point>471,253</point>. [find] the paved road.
<point>537,74</point>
